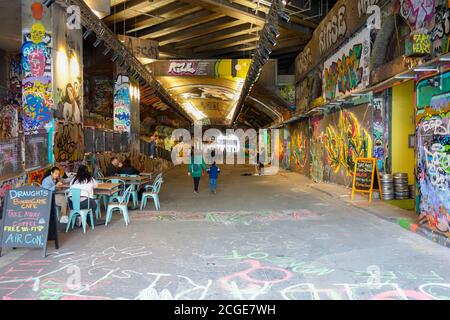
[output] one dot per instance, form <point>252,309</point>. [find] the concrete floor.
<point>271,237</point>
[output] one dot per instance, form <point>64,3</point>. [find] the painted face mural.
<point>433,154</point>
<point>34,59</point>
<point>37,32</point>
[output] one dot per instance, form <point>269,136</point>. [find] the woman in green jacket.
<point>196,170</point>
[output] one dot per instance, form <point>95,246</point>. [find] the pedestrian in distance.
<point>213,172</point>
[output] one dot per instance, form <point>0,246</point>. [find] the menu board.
<point>100,140</point>
<point>109,137</point>
<point>10,157</point>
<point>366,177</point>
<point>89,140</point>
<point>26,218</point>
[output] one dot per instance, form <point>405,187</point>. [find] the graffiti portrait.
<point>69,106</point>
<point>8,122</point>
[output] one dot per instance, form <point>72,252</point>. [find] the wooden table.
<point>103,189</point>
<point>137,180</point>
<point>106,189</point>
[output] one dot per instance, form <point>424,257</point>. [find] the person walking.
<point>196,170</point>
<point>213,172</point>
<point>262,160</point>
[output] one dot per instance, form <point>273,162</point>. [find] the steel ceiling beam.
<point>92,22</point>
<point>244,13</point>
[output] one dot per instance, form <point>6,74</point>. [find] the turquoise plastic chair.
<point>154,194</point>
<point>116,196</point>
<point>98,211</point>
<point>121,205</point>
<point>150,187</point>
<point>133,193</point>
<point>75,196</point>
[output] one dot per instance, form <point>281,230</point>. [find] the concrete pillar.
<point>37,71</point>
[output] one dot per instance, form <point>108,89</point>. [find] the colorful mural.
<point>379,150</point>
<point>36,84</point>
<point>37,103</point>
<point>337,140</point>
<point>287,93</point>
<point>317,151</point>
<point>346,142</point>
<point>348,69</point>
<point>299,147</point>
<point>417,12</point>
<point>122,104</point>
<point>433,154</point>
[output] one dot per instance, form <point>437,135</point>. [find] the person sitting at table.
<point>114,167</point>
<point>128,169</point>
<point>86,183</point>
<point>50,182</point>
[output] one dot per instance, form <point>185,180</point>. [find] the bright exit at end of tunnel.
<point>235,158</point>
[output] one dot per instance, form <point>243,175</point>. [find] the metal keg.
<point>387,186</point>
<point>401,186</point>
<point>412,191</point>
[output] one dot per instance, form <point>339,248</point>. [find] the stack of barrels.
<point>401,186</point>
<point>395,186</point>
<point>412,191</point>
<point>387,186</point>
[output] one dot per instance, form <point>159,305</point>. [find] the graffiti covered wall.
<point>337,140</point>
<point>299,147</point>
<point>122,104</point>
<point>433,153</point>
<point>348,69</point>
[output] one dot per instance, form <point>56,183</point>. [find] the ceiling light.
<point>97,42</point>
<point>405,76</point>
<point>426,69</point>
<point>274,31</point>
<point>284,16</point>
<point>86,34</point>
<point>107,50</point>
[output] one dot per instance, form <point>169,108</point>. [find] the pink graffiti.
<point>245,275</point>
<point>392,295</point>
<point>37,62</point>
<point>418,12</point>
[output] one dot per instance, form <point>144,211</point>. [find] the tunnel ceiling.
<point>208,90</point>
<point>212,30</point>
<point>202,29</point>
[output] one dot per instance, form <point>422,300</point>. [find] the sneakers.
<point>196,192</point>
<point>64,219</point>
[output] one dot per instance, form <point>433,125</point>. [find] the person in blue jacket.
<point>213,172</point>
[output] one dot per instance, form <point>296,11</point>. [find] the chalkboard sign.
<point>109,140</point>
<point>366,177</point>
<point>100,140</point>
<point>89,140</point>
<point>26,218</point>
<point>116,142</point>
